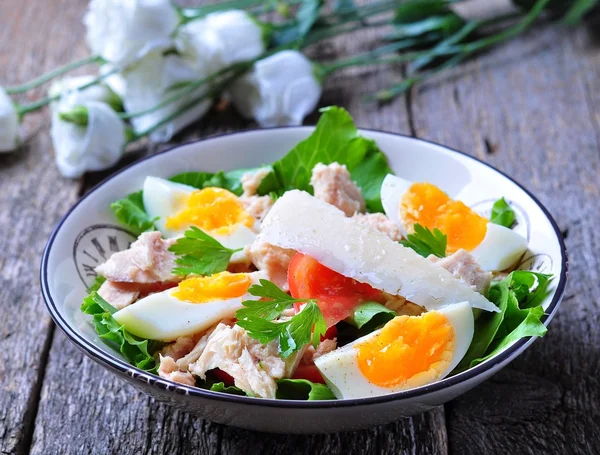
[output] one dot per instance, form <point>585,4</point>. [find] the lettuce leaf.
<point>138,351</point>
<point>230,180</point>
<point>130,212</point>
<point>335,139</point>
<point>519,297</point>
<point>302,389</point>
<point>232,390</point>
<point>369,316</point>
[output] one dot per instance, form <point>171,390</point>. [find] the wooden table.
<point>531,108</point>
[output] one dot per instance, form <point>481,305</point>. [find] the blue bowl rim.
<point>123,367</point>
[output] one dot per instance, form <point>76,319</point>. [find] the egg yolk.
<point>410,351</point>
<point>220,286</point>
<point>213,210</point>
<point>427,205</point>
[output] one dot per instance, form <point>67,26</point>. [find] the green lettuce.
<point>130,212</point>
<point>369,316</point>
<point>302,389</point>
<point>335,139</point>
<point>232,390</point>
<point>519,297</point>
<point>502,213</point>
<point>138,351</point>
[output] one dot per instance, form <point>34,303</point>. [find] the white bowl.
<point>89,233</point>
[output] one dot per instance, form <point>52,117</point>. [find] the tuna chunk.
<point>253,366</point>
<point>464,267</point>
<point>273,260</point>
<point>184,362</point>
<point>325,346</point>
<point>168,370</point>
<point>180,348</point>
<point>257,206</point>
<point>381,223</point>
<point>148,260</point>
<point>118,295</point>
<point>332,184</point>
<point>251,181</point>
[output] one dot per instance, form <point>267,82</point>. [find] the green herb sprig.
<point>257,317</point>
<point>425,242</point>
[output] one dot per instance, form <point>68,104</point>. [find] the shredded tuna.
<point>168,370</point>
<point>273,260</point>
<point>464,267</point>
<point>178,349</point>
<point>381,223</point>
<point>257,206</point>
<point>253,366</point>
<point>194,354</point>
<point>251,181</point>
<point>118,295</point>
<point>332,184</point>
<point>325,346</point>
<point>148,260</point>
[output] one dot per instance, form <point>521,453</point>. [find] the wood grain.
<point>99,414</point>
<point>531,109</point>
<point>32,199</point>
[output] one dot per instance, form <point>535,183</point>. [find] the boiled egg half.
<point>196,304</point>
<point>408,352</point>
<point>408,203</point>
<point>216,211</point>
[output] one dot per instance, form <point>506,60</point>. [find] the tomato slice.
<point>223,377</point>
<point>336,295</point>
<point>309,372</point>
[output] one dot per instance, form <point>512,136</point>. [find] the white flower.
<point>280,90</point>
<point>67,88</point>
<point>92,147</point>
<point>121,31</point>
<point>154,79</point>
<point>221,39</point>
<point>9,123</point>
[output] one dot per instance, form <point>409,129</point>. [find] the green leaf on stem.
<point>502,213</point>
<point>425,242</point>
<point>335,139</point>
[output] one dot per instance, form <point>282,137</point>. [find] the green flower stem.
<point>579,9</point>
<point>27,108</point>
<point>54,73</point>
<point>186,90</point>
<point>462,51</point>
<point>208,95</point>
<point>256,6</point>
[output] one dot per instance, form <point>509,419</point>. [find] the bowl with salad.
<point>305,279</point>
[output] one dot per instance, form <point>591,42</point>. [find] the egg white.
<point>342,373</point>
<point>500,248</point>
<point>306,224</point>
<point>161,316</point>
<point>163,198</point>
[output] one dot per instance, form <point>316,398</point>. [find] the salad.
<point>320,276</point>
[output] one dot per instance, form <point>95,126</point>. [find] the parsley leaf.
<point>257,318</point>
<point>425,242</point>
<point>305,327</point>
<point>519,297</point>
<point>138,351</point>
<point>302,389</point>
<point>266,309</point>
<point>335,139</point>
<point>200,253</point>
<point>502,213</point>
<point>131,212</point>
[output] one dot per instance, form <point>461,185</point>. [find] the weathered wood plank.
<point>32,198</point>
<point>98,414</point>
<point>529,109</point>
